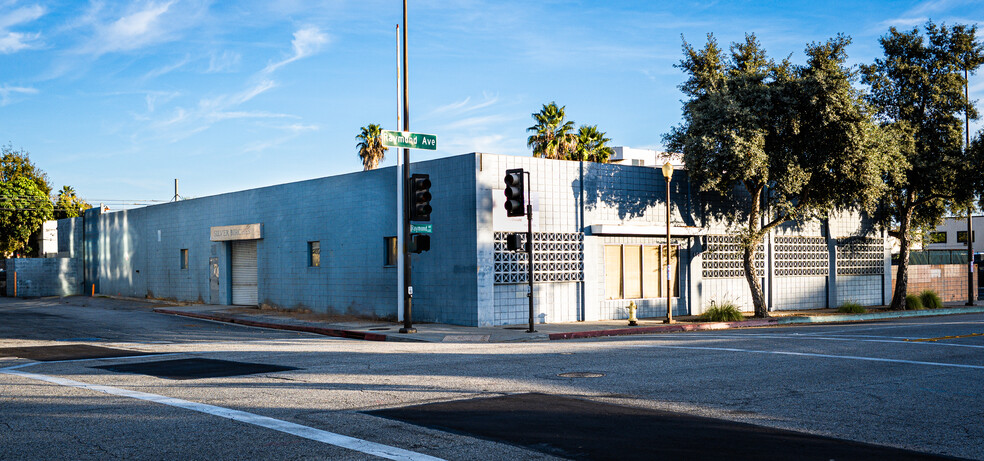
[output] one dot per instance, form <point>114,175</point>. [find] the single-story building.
<point>329,245</point>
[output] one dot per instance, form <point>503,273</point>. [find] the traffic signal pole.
<point>529,249</point>
<point>407,285</point>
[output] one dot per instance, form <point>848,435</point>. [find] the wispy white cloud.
<point>223,62</point>
<point>20,15</point>
<point>240,114</point>
<point>167,69</point>
<point>463,106</point>
<point>152,98</point>
<point>478,122</point>
<point>292,131</point>
<point>138,26</point>
<point>12,42</point>
<point>7,91</point>
<point>306,42</point>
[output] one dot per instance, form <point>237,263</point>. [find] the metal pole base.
<point>408,330</point>
<point>669,321</point>
<point>633,323</point>
<point>531,331</point>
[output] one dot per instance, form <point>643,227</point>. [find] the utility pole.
<point>407,285</point>
<point>971,296</point>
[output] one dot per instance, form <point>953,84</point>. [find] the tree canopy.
<point>371,149</point>
<point>553,137</point>
<point>24,200</point>
<point>796,141</point>
<point>68,205</point>
<point>918,90</point>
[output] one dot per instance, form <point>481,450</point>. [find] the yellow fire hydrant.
<point>632,314</point>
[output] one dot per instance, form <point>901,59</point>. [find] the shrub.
<point>851,307</point>
<point>930,300</point>
<point>913,303</point>
<point>726,312</point>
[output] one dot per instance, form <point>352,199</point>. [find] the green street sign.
<point>421,228</point>
<point>408,140</point>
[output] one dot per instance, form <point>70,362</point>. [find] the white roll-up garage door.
<point>244,273</point>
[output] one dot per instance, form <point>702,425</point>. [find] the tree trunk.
<point>758,296</point>
<point>748,261</point>
<point>902,275</point>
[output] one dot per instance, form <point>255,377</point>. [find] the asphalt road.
<point>910,384</point>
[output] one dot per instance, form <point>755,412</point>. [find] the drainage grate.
<point>195,368</point>
<point>66,352</point>
<point>581,374</point>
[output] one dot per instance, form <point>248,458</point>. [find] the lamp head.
<point>668,170</point>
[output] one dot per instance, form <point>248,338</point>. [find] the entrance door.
<point>213,280</point>
<point>244,273</point>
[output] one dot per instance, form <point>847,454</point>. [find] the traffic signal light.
<point>420,243</point>
<point>420,197</point>
<point>515,198</point>
<point>514,241</point>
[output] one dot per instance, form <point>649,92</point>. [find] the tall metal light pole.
<point>400,182</point>
<point>970,210</point>
<point>407,285</point>
<point>668,174</point>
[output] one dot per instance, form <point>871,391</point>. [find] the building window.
<point>940,237</point>
<point>962,237</point>
<point>639,271</point>
<point>184,258</point>
<point>314,254</point>
<point>390,250</point>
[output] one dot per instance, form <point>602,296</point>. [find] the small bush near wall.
<point>930,300</point>
<point>726,312</point>
<point>851,307</point>
<point>913,303</point>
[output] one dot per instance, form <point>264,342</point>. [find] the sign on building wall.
<point>240,232</point>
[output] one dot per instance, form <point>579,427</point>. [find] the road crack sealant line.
<point>310,433</point>
<point>665,329</point>
<point>810,354</point>
<point>771,321</point>
<point>350,334</point>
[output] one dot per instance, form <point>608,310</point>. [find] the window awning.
<point>655,231</point>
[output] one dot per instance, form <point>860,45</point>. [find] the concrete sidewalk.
<point>434,332</point>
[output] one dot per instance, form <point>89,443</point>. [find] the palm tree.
<point>592,145</point>
<point>552,136</point>
<point>371,149</point>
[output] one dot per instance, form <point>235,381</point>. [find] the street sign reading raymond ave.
<point>409,140</point>
<point>421,228</point>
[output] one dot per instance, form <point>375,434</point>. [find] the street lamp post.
<point>668,174</point>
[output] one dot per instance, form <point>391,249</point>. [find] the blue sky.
<point>119,98</point>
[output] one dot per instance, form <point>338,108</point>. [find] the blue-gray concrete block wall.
<point>43,277</point>
<point>137,252</point>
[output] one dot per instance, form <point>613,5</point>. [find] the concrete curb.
<point>678,327</point>
<point>880,315</point>
<point>665,329</point>
<point>279,326</point>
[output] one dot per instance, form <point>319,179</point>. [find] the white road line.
<point>846,339</point>
<point>331,438</point>
<point>808,354</point>
<point>848,328</point>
